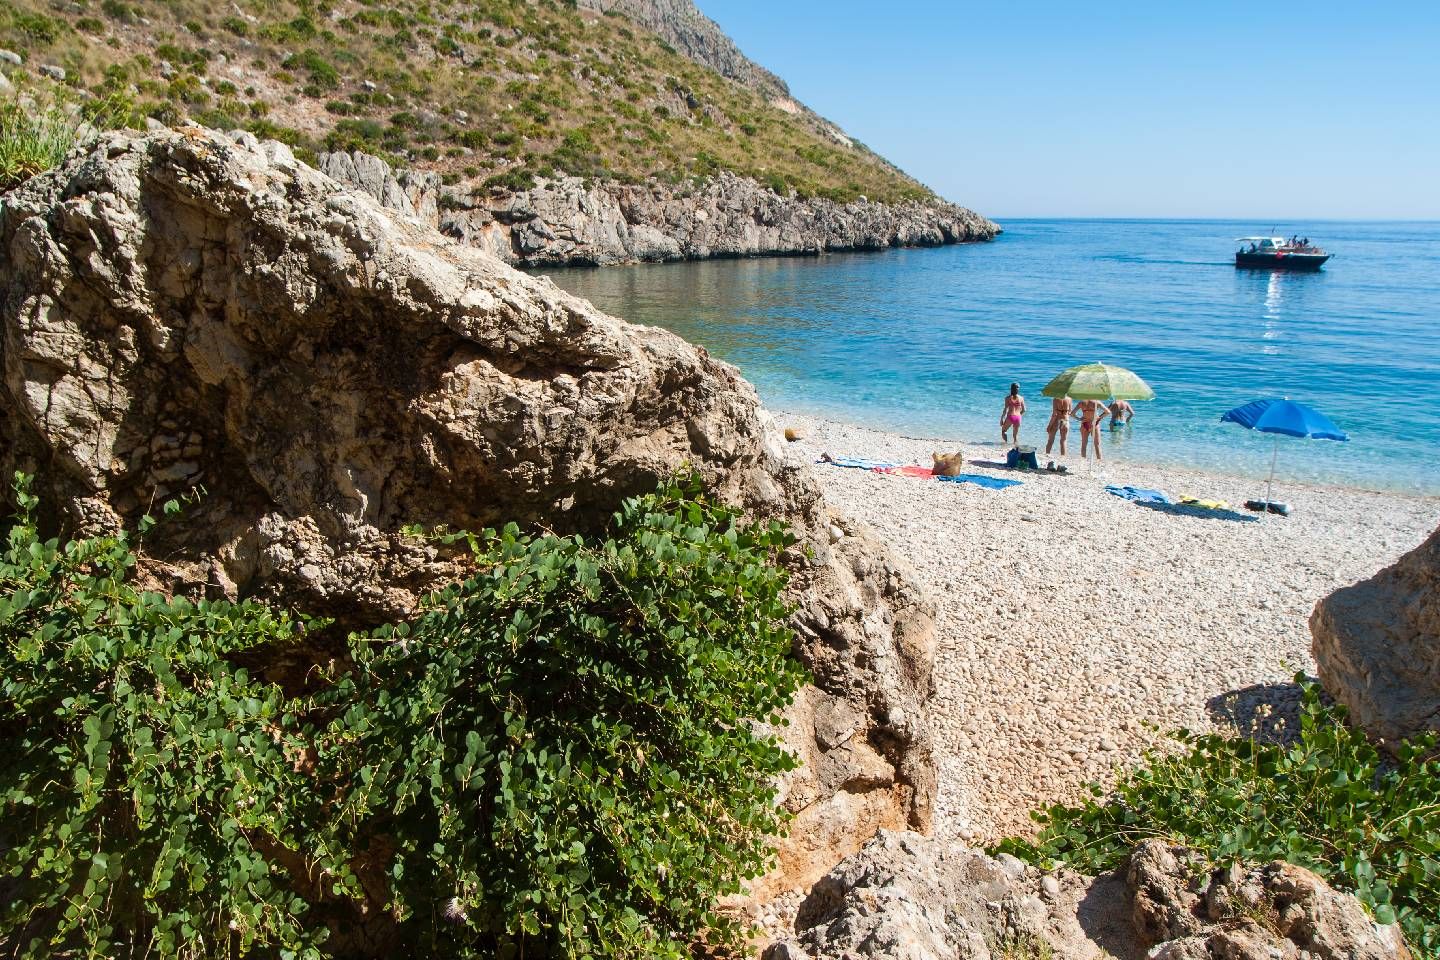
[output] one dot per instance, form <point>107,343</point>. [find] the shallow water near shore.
<point>926,342</point>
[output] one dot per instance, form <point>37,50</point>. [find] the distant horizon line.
<point>1163,219</point>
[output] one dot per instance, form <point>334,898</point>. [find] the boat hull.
<point>1281,261</point>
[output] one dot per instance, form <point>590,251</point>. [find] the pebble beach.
<point>1074,627</point>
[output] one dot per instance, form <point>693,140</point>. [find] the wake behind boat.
<point>1277,253</point>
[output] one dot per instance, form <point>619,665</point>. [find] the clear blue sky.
<point>1271,110</point>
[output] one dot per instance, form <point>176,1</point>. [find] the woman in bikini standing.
<point>1090,413</point>
<point>1060,408</point>
<point>1010,416</point>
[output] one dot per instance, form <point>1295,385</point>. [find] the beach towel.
<point>1191,501</point>
<point>1137,494</point>
<point>992,483</point>
<point>857,463</point>
<point>909,470</point>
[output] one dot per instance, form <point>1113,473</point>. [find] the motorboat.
<point>1277,253</point>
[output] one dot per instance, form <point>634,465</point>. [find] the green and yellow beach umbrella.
<point>1099,381</point>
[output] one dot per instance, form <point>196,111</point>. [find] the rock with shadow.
<point>1377,646</point>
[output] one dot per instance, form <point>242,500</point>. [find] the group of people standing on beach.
<point>1090,413</point>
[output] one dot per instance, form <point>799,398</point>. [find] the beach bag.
<point>948,464</point>
<point>1022,458</point>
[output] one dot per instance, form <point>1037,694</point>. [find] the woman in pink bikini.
<point>1011,414</point>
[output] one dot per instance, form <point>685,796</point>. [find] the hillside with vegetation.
<point>490,95</point>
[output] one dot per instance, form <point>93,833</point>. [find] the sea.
<point>925,342</point>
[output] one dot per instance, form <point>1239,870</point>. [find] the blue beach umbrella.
<point>1283,416</point>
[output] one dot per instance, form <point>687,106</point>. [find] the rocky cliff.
<point>570,221</point>
<point>190,311</point>
<point>681,24</point>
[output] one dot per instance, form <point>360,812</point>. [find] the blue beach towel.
<point>980,480</point>
<point>1137,494</point>
<point>857,463</point>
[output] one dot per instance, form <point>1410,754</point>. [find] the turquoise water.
<point>926,342</point>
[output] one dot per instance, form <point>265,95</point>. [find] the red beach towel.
<point>910,470</point>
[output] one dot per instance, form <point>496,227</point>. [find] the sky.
<point>1268,110</point>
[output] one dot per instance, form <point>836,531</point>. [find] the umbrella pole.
<point>1269,484</point>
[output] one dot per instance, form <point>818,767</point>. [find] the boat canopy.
<point>1275,240</point>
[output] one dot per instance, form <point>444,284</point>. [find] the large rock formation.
<point>573,221</point>
<point>1377,646</point>
<point>187,311</point>
<point>910,898</point>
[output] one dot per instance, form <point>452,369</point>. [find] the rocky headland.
<point>595,132</point>
<point>577,222</point>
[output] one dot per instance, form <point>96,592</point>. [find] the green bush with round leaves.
<point>1328,801</point>
<point>568,754</point>
<point>566,749</point>
<point>147,784</point>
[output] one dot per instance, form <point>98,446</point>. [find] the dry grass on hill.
<point>494,92</point>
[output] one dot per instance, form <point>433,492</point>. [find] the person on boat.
<point>1060,408</point>
<point>1090,413</point>
<point>1010,415</point>
<point>1121,413</point>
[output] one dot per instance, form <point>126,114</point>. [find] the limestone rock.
<point>569,220</point>
<point>1248,913</point>
<point>11,57</point>
<point>411,193</point>
<point>52,71</point>
<point>906,896</point>
<point>1377,646</point>
<point>696,36</point>
<point>184,310</point>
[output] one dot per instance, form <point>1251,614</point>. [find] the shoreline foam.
<point>1069,620</point>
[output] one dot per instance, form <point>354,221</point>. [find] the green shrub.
<point>146,781</point>
<point>1329,802</point>
<point>33,140</point>
<point>118,10</point>
<point>513,180</point>
<point>35,27</point>
<point>559,755</point>
<point>563,743</point>
<point>322,73</point>
<point>236,25</point>
<point>299,29</point>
